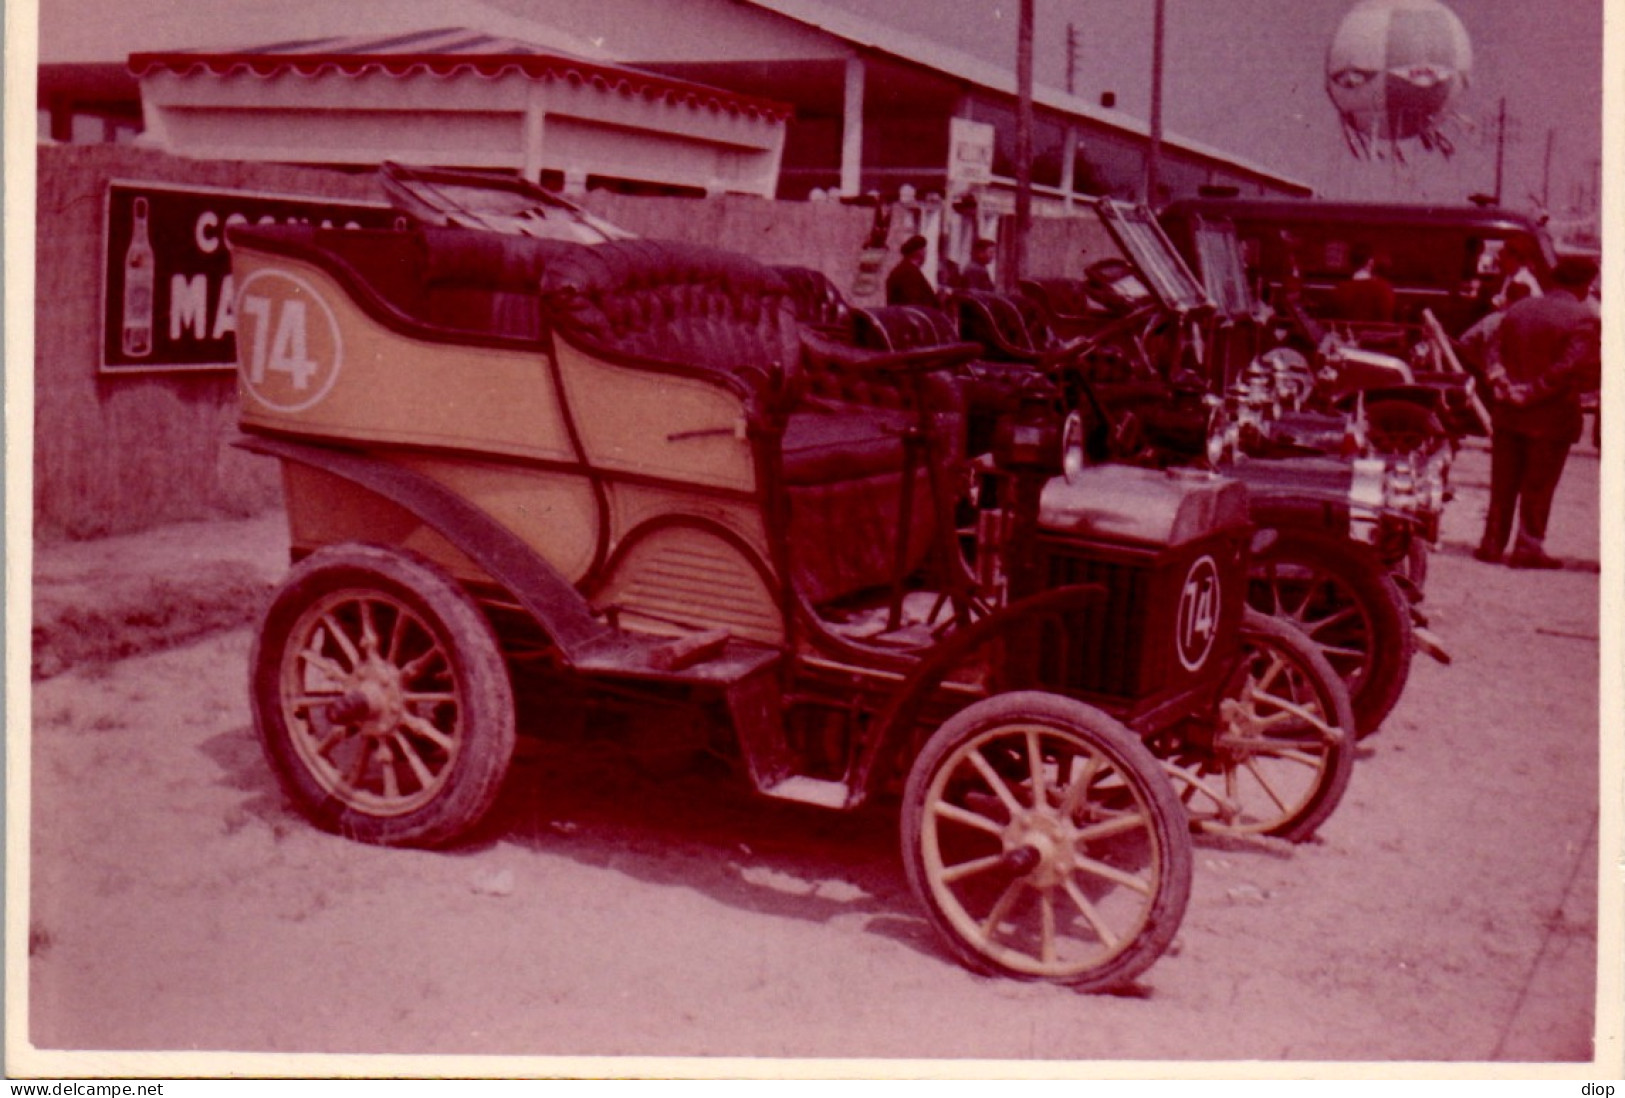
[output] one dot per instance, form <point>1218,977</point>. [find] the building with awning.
<point>709,95</point>
<point>455,96</point>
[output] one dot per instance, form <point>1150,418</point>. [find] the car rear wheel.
<point>381,697</point>
<point>1045,842</point>
<point>1279,757</point>
<point>1348,606</point>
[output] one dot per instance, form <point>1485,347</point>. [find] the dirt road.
<point>1448,911</point>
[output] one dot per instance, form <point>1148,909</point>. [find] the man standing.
<point>1547,352</point>
<point>1365,296</point>
<point>978,272</point>
<point>907,284</point>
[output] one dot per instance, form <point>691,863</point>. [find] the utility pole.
<point>1500,147</point>
<point>1071,59</point>
<point>1546,174</point>
<point>1153,155</point>
<point>1024,138</point>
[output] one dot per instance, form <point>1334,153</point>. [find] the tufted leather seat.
<point>677,304</point>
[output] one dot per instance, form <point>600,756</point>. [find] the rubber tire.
<point>486,695</point>
<point>1170,827</point>
<point>1257,628</point>
<point>1385,607</point>
<point>1401,427</point>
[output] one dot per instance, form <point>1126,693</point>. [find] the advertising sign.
<point>168,302</point>
<point>970,154</point>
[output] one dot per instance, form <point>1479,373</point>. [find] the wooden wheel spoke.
<point>331,740</point>
<point>369,630</point>
<point>1046,912</point>
<point>1195,783</point>
<point>1263,783</point>
<point>994,781</point>
<point>310,699</point>
<point>1105,933</point>
<point>386,767</point>
<point>335,630</point>
<point>428,697</point>
<point>428,731</point>
<point>1293,709</point>
<point>1001,907</point>
<point>1075,792</point>
<point>417,666</point>
<point>1337,617</point>
<point>1263,682</point>
<point>960,814</point>
<point>1035,767</point>
<point>419,768</point>
<point>961,870</point>
<point>358,768</point>
<point>1117,825</point>
<point>324,664</point>
<point>397,637</point>
<point>1113,874</point>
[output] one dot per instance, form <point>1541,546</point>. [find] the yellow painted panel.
<point>655,424</point>
<point>311,361</point>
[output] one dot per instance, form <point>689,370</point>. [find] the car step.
<point>805,790</point>
<point>711,657</point>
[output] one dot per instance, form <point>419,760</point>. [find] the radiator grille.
<point>1123,648</point>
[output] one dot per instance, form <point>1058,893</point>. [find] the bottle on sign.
<point>139,277</point>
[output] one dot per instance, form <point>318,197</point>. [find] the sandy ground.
<point>611,907</point>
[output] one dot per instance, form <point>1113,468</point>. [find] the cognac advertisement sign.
<point>168,297</point>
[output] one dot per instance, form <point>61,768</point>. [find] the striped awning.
<point>447,52</point>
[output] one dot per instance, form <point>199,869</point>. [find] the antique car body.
<point>1349,563</point>
<point>514,463</point>
<point>1439,257</point>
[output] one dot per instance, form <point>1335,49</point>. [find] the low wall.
<point>123,452</point>
<point>118,453</point>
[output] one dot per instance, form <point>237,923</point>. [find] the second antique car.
<point>525,466</point>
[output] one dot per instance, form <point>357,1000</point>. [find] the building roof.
<point>878,38</point>
<point>446,51</point>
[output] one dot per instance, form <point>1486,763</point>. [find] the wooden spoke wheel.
<point>1282,751</point>
<point>1045,843</point>
<point>381,697</point>
<point>1348,606</point>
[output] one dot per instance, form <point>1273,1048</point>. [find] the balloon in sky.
<point>1392,69</point>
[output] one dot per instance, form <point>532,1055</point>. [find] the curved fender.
<point>546,595</point>
<point>1424,396</point>
<point>916,689</point>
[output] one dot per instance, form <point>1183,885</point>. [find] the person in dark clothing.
<point>978,275</point>
<point>1546,353</point>
<point>1365,296</point>
<point>907,284</point>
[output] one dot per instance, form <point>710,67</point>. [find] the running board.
<point>805,790</point>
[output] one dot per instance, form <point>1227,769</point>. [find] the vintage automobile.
<point>524,466</point>
<point>1446,263</point>
<point>1165,374</point>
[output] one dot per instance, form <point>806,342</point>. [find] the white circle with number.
<point>288,346</point>
<point>1197,624</point>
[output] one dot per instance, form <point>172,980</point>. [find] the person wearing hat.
<point>1546,352</point>
<point>907,284</point>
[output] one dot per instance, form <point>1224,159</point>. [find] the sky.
<point>1247,76</point>
<point>1244,76</point>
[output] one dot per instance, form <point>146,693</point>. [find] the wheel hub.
<point>373,701</point>
<point>1240,724</point>
<point>1041,844</point>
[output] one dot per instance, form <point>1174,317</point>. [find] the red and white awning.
<point>458,97</point>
